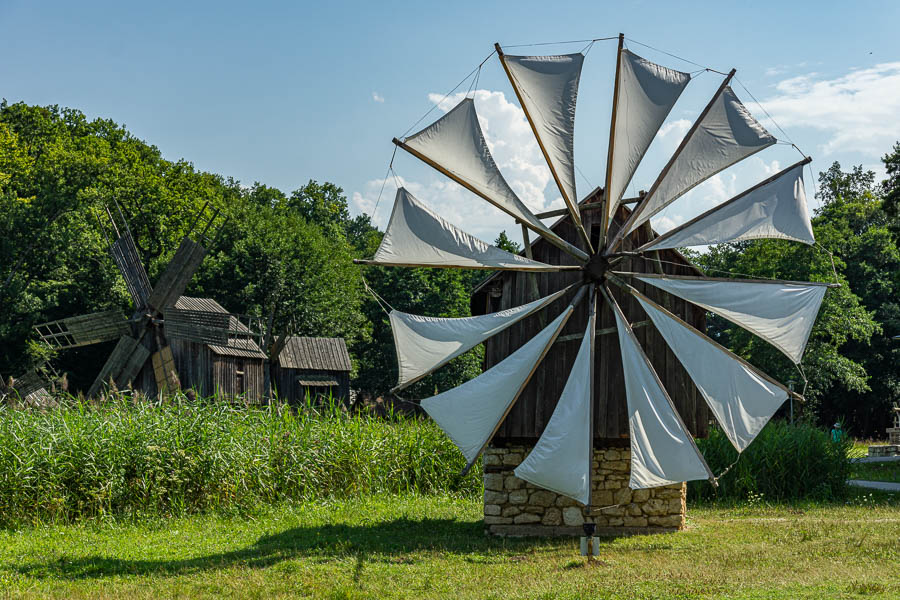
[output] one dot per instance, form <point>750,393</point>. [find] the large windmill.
<point>603,255</point>
<point>157,315</point>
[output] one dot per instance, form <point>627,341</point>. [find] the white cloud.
<point>856,112</point>
<point>377,97</point>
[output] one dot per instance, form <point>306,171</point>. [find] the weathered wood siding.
<point>529,416</point>
<point>288,387</point>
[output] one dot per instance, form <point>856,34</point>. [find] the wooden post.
<point>612,139</point>
<point>662,174</point>
<point>570,202</point>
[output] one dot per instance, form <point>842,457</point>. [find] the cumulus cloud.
<point>856,112</point>
<point>377,97</point>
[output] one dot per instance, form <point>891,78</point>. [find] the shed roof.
<point>318,354</point>
<point>242,347</point>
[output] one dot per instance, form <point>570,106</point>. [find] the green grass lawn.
<point>883,471</point>
<point>434,547</point>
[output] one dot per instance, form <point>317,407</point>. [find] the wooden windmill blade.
<point>178,273</point>
<point>125,255</point>
<point>123,364</point>
<point>184,264</point>
<point>84,330</point>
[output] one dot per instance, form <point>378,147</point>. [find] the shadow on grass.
<point>382,542</point>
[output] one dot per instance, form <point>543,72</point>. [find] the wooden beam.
<point>724,279</point>
<point>570,203</point>
<point>604,223</point>
<point>598,332</point>
<point>662,174</point>
<point>583,208</point>
<point>548,268</point>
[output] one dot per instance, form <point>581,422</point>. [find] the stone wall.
<point>515,507</point>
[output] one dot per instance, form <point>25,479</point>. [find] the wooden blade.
<point>126,257</point>
<point>164,371</point>
<point>177,275</point>
<point>123,364</point>
<point>84,330</point>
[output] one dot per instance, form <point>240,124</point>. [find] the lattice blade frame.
<point>83,330</point>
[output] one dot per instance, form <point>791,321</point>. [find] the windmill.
<point>31,388</point>
<point>157,316</point>
<point>587,267</point>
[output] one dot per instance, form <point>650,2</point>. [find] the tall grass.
<point>124,457</point>
<point>784,463</point>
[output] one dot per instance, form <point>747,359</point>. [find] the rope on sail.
<point>447,95</point>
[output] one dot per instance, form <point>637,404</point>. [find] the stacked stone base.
<point>515,507</point>
<point>884,450</point>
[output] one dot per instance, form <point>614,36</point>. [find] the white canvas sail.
<point>646,94</point>
<point>547,86</point>
<point>471,412</point>
<point>782,313</point>
<point>741,398</point>
<point>455,144</point>
<point>662,451</point>
<point>776,210</point>
<point>424,344</point>
<point>727,134</point>
<point>416,236</point>
<point>561,459</point>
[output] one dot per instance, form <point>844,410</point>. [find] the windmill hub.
<point>596,268</point>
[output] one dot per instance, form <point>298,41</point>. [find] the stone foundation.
<point>515,507</point>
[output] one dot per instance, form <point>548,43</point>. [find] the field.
<point>411,546</point>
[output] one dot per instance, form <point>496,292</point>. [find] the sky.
<point>281,93</point>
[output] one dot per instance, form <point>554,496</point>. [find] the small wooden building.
<point>316,366</point>
<point>506,289</point>
<point>234,371</point>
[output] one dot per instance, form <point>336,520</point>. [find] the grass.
<point>884,471</point>
<point>413,546</point>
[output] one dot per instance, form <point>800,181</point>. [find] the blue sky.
<point>286,92</point>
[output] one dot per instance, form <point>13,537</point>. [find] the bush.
<point>785,463</point>
<point>125,457</point>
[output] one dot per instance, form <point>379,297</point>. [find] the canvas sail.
<point>776,210</point>
<point>470,413</point>
<point>417,236</point>
<point>424,344</point>
<point>782,313</point>
<point>646,94</point>
<point>547,87</point>
<point>727,134</point>
<point>741,398</point>
<point>662,450</point>
<point>561,459</point>
<point>456,146</point>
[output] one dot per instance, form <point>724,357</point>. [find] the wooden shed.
<point>528,417</point>
<point>309,365</point>
<point>234,371</point>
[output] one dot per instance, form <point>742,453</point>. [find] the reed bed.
<point>784,463</point>
<point>122,457</point>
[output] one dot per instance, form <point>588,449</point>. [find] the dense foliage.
<point>784,463</point>
<point>125,457</point>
